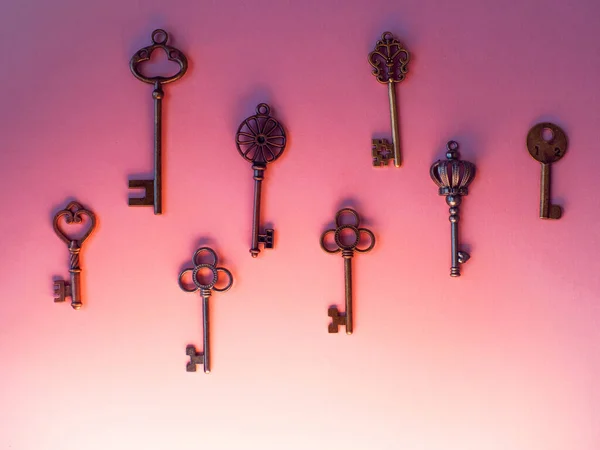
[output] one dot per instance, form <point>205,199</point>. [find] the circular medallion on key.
<point>260,138</point>
<point>546,142</point>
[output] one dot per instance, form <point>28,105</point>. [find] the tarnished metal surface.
<point>72,214</point>
<point>453,177</point>
<point>390,64</point>
<point>347,247</point>
<point>205,287</point>
<point>547,143</point>
<point>153,188</point>
<point>260,140</point>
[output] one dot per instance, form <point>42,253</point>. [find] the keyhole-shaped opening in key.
<point>547,134</point>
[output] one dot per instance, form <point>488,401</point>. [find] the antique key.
<point>346,238</point>
<point>453,178</point>
<point>389,61</point>
<point>260,139</point>
<point>153,188</point>
<point>73,214</point>
<point>205,287</point>
<point>547,143</point>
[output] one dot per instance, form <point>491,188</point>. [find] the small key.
<point>453,178</point>
<point>205,288</point>
<point>347,239</point>
<point>73,214</point>
<point>389,60</point>
<point>547,143</point>
<point>260,139</point>
<point>153,188</point>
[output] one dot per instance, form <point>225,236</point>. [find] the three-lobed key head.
<point>347,237</point>
<point>205,275</point>
<point>546,142</point>
<point>389,59</point>
<point>260,139</point>
<point>159,41</point>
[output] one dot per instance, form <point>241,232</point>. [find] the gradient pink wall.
<point>506,357</point>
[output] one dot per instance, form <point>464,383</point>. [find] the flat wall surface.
<point>505,357</point>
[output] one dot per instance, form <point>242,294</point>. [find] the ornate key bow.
<point>205,287</point>
<point>346,239</point>
<point>73,214</point>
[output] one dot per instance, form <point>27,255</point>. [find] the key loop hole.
<point>229,284</point>
<point>201,250</point>
<point>338,237</point>
<point>346,211</point>
<point>263,109</point>
<point>387,36</point>
<point>371,237</point>
<point>182,285</point>
<point>215,276</point>
<point>324,246</point>
<point>157,34</point>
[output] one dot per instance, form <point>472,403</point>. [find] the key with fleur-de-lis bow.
<point>260,139</point>
<point>205,276</point>
<point>389,61</point>
<point>346,239</point>
<point>153,188</point>
<point>73,214</point>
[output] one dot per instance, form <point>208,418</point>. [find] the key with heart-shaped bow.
<point>73,214</point>
<point>153,188</point>
<point>346,238</point>
<point>205,277</point>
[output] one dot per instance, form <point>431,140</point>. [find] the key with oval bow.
<point>260,139</point>
<point>153,188</point>
<point>547,143</point>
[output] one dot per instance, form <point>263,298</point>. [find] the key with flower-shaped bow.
<point>453,177</point>
<point>72,214</point>
<point>389,61</point>
<point>204,276</point>
<point>260,140</point>
<point>153,188</point>
<point>346,239</point>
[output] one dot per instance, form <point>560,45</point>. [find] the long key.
<point>153,188</point>
<point>547,143</point>
<point>346,239</point>
<point>73,214</point>
<point>389,60</point>
<point>260,139</point>
<point>205,287</point>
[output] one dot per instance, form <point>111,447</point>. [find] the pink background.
<point>506,357</point>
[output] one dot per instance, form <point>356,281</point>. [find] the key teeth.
<point>62,289</point>
<point>337,319</point>
<point>381,152</point>
<point>555,212</point>
<point>195,358</point>
<point>148,198</point>
<point>267,239</point>
<point>463,257</point>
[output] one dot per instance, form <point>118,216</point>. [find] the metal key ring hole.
<point>547,134</point>
<point>324,244</point>
<point>228,285</point>
<point>263,109</point>
<point>346,212</point>
<point>371,237</point>
<point>387,36</point>
<point>156,34</point>
<point>206,271</point>
<point>186,287</point>
<point>452,145</point>
<point>344,239</point>
<point>208,250</point>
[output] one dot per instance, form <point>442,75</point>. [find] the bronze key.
<point>347,247</point>
<point>73,214</point>
<point>153,188</point>
<point>389,61</point>
<point>547,143</point>
<point>260,139</point>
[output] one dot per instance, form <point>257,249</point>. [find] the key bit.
<point>153,188</point>
<point>260,140</point>
<point>72,214</point>
<point>389,60</point>
<point>346,239</point>
<point>547,143</point>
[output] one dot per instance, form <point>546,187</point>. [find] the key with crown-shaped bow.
<point>153,188</point>
<point>389,60</point>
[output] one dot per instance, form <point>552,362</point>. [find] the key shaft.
<point>547,209</point>
<point>259,175</point>
<point>348,293</point>
<point>395,126</point>
<point>206,332</point>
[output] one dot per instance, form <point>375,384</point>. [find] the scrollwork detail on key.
<point>145,54</point>
<point>389,59</point>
